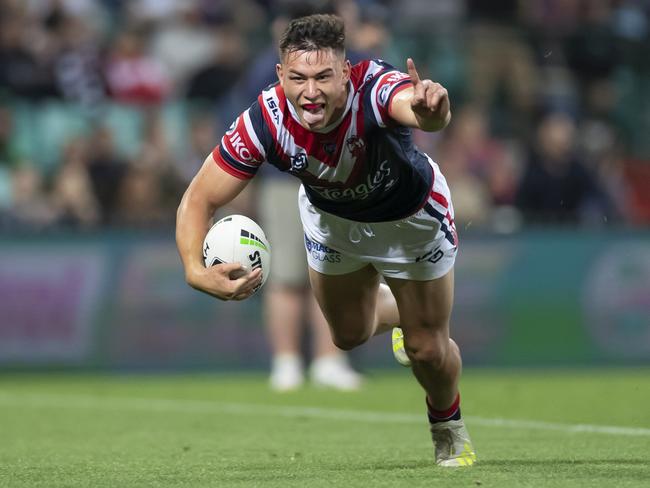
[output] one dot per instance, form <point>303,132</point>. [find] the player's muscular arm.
<point>425,106</point>
<point>210,189</point>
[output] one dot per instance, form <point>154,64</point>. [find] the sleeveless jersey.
<point>362,167</point>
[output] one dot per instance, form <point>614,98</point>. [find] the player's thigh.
<point>424,306</point>
<point>348,302</point>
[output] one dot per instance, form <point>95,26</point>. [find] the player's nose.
<point>311,90</point>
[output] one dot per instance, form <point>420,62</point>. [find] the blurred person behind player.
<point>288,300</point>
<point>289,303</point>
<point>371,205</point>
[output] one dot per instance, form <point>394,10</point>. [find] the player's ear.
<point>279,71</point>
<point>347,71</point>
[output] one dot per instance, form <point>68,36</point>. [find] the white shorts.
<point>421,247</point>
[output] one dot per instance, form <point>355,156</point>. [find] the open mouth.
<point>313,113</point>
<point>313,107</point>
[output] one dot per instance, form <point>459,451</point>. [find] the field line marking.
<point>29,400</point>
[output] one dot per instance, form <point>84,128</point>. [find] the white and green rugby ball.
<point>238,239</point>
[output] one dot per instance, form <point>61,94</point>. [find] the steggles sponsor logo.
<point>381,179</point>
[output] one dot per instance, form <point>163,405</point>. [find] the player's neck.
<point>341,107</point>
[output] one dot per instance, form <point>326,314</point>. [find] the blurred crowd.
<point>108,107</point>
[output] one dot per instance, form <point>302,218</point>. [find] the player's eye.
<point>296,78</point>
<point>322,77</point>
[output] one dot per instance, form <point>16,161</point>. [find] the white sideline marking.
<point>205,406</point>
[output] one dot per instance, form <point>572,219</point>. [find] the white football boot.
<point>286,373</point>
<point>398,347</point>
<point>334,371</point>
<point>452,443</point>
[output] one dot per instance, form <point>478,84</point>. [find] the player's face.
<point>315,82</point>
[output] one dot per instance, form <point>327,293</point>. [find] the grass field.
<point>587,428</point>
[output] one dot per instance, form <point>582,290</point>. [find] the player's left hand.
<point>430,100</point>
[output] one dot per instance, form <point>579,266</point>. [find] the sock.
<point>452,413</point>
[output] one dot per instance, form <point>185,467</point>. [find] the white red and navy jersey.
<point>362,167</point>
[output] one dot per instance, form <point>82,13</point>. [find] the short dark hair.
<point>313,33</point>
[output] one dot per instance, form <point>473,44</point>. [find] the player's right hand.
<point>430,99</point>
<point>227,281</point>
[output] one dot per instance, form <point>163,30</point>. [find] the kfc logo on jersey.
<point>298,161</point>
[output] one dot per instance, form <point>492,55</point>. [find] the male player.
<point>371,205</point>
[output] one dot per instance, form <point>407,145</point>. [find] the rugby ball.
<point>238,239</point>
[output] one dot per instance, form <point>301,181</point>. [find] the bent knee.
<point>431,351</point>
<point>349,340</point>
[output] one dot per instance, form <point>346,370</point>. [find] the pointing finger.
<point>413,72</point>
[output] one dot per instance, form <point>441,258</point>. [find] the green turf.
<point>214,430</point>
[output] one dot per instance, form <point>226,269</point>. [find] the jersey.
<point>362,167</point>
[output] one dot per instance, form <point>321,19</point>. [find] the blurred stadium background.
<point>108,107</point>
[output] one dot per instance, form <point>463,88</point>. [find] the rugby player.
<point>372,207</point>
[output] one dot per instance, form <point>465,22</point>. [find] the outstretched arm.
<point>210,189</point>
<point>424,106</point>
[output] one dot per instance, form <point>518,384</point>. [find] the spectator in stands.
<point>30,207</point>
<point>499,61</point>
<point>150,188</point>
<point>23,72</point>
<point>218,76</point>
<point>132,75</point>
<point>107,170</point>
<point>78,64</point>
<point>556,186</point>
<point>73,196</point>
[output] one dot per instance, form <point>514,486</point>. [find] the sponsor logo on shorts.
<point>431,256</point>
<point>322,253</point>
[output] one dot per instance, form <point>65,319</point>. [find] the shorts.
<point>421,247</point>
<point>281,223</point>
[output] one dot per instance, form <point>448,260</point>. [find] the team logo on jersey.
<point>298,161</point>
<point>356,147</point>
<point>383,94</point>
